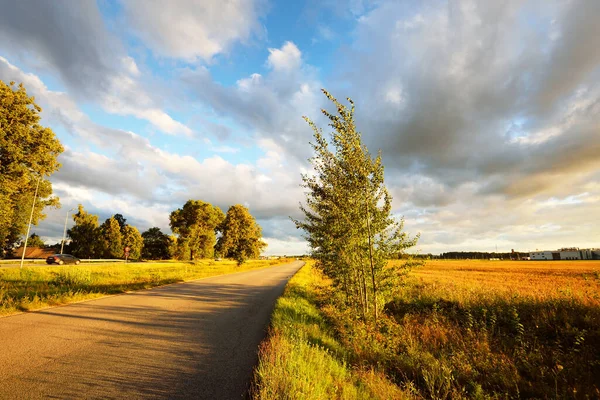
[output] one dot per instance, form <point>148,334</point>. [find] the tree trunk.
<point>371,257</point>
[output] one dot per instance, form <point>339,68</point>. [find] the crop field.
<point>495,328</point>
<point>453,330</point>
<point>481,280</point>
<point>42,286</point>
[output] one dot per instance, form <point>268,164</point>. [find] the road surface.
<point>194,340</point>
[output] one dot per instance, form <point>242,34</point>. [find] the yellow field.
<point>455,329</point>
<point>494,328</point>
<point>480,280</point>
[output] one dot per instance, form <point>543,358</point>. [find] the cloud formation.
<point>193,29</point>
<point>470,92</point>
<point>71,40</point>
<point>487,113</point>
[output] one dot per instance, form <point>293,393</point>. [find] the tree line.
<point>204,231</point>
<point>481,255</point>
<point>200,229</point>
<point>28,155</point>
<point>89,239</point>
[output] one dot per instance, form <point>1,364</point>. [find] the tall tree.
<point>34,241</point>
<point>157,245</point>
<point>28,153</point>
<point>112,239</point>
<point>348,221</point>
<point>241,236</point>
<point>133,239</point>
<point>122,221</point>
<point>86,236</point>
<point>195,226</point>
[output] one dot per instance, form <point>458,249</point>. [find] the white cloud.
<point>246,84</point>
<point>131,66</point>
<point>287,58</point>
<point>137,173</point>
<point>193,29</point>
<point>126,96</point>
<point>225,149</point>
<point>74,45</point>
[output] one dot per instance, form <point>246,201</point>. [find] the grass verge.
<point>39,287</point>
<point>301,359</point>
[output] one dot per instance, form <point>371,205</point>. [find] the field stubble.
<point>481,329</point>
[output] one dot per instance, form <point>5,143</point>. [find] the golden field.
<point>454,329</point>
<point>497,329</point>
<point>478,280</point>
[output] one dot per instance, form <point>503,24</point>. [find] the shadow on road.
<point>192,340</point>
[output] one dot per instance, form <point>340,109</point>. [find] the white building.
<point>570,254</point>
<point>542,255</point>
<point>566,254</point>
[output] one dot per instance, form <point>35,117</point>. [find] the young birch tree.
<point>348,221</point>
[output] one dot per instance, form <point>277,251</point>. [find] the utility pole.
<point>30,219</point>
<point>62,244</point>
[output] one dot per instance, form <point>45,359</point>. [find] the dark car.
<point>62,259</point>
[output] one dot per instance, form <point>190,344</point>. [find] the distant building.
<point>34,252</point>
<point>566,254</point>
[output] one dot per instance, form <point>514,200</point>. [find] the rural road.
<point>193,340</point>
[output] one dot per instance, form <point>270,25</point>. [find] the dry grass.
<point>456,330</point>
<point>43,286</point>
<point>477,329</point>
<point>479,280</point>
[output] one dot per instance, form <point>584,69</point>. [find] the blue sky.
<point>487,113</point>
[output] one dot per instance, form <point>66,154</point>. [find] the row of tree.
<point>28,155</point>
<point>203,231</point>
<point>89,239</point>
<point>348,221</point>
<point>482,255</point>
<point>109,239</point>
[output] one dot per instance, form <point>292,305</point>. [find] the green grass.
<point>301,359</point>
<point>43,286</point>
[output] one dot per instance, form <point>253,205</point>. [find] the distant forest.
<point>477,255</point>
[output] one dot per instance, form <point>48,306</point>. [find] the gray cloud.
<point>270,106</point>
<point>93,171</point>
<point>69,37</point>
<point>440,87</point>
<point>574,55</point>
<point>71,40</point>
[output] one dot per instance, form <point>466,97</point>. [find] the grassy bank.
<point>455,330</point>
<point>39,287</point>
<point>301,359</point>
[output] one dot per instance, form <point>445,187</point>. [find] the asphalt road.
<point>194,340</point>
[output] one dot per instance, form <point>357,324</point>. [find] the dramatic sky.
<point>487,112</point>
